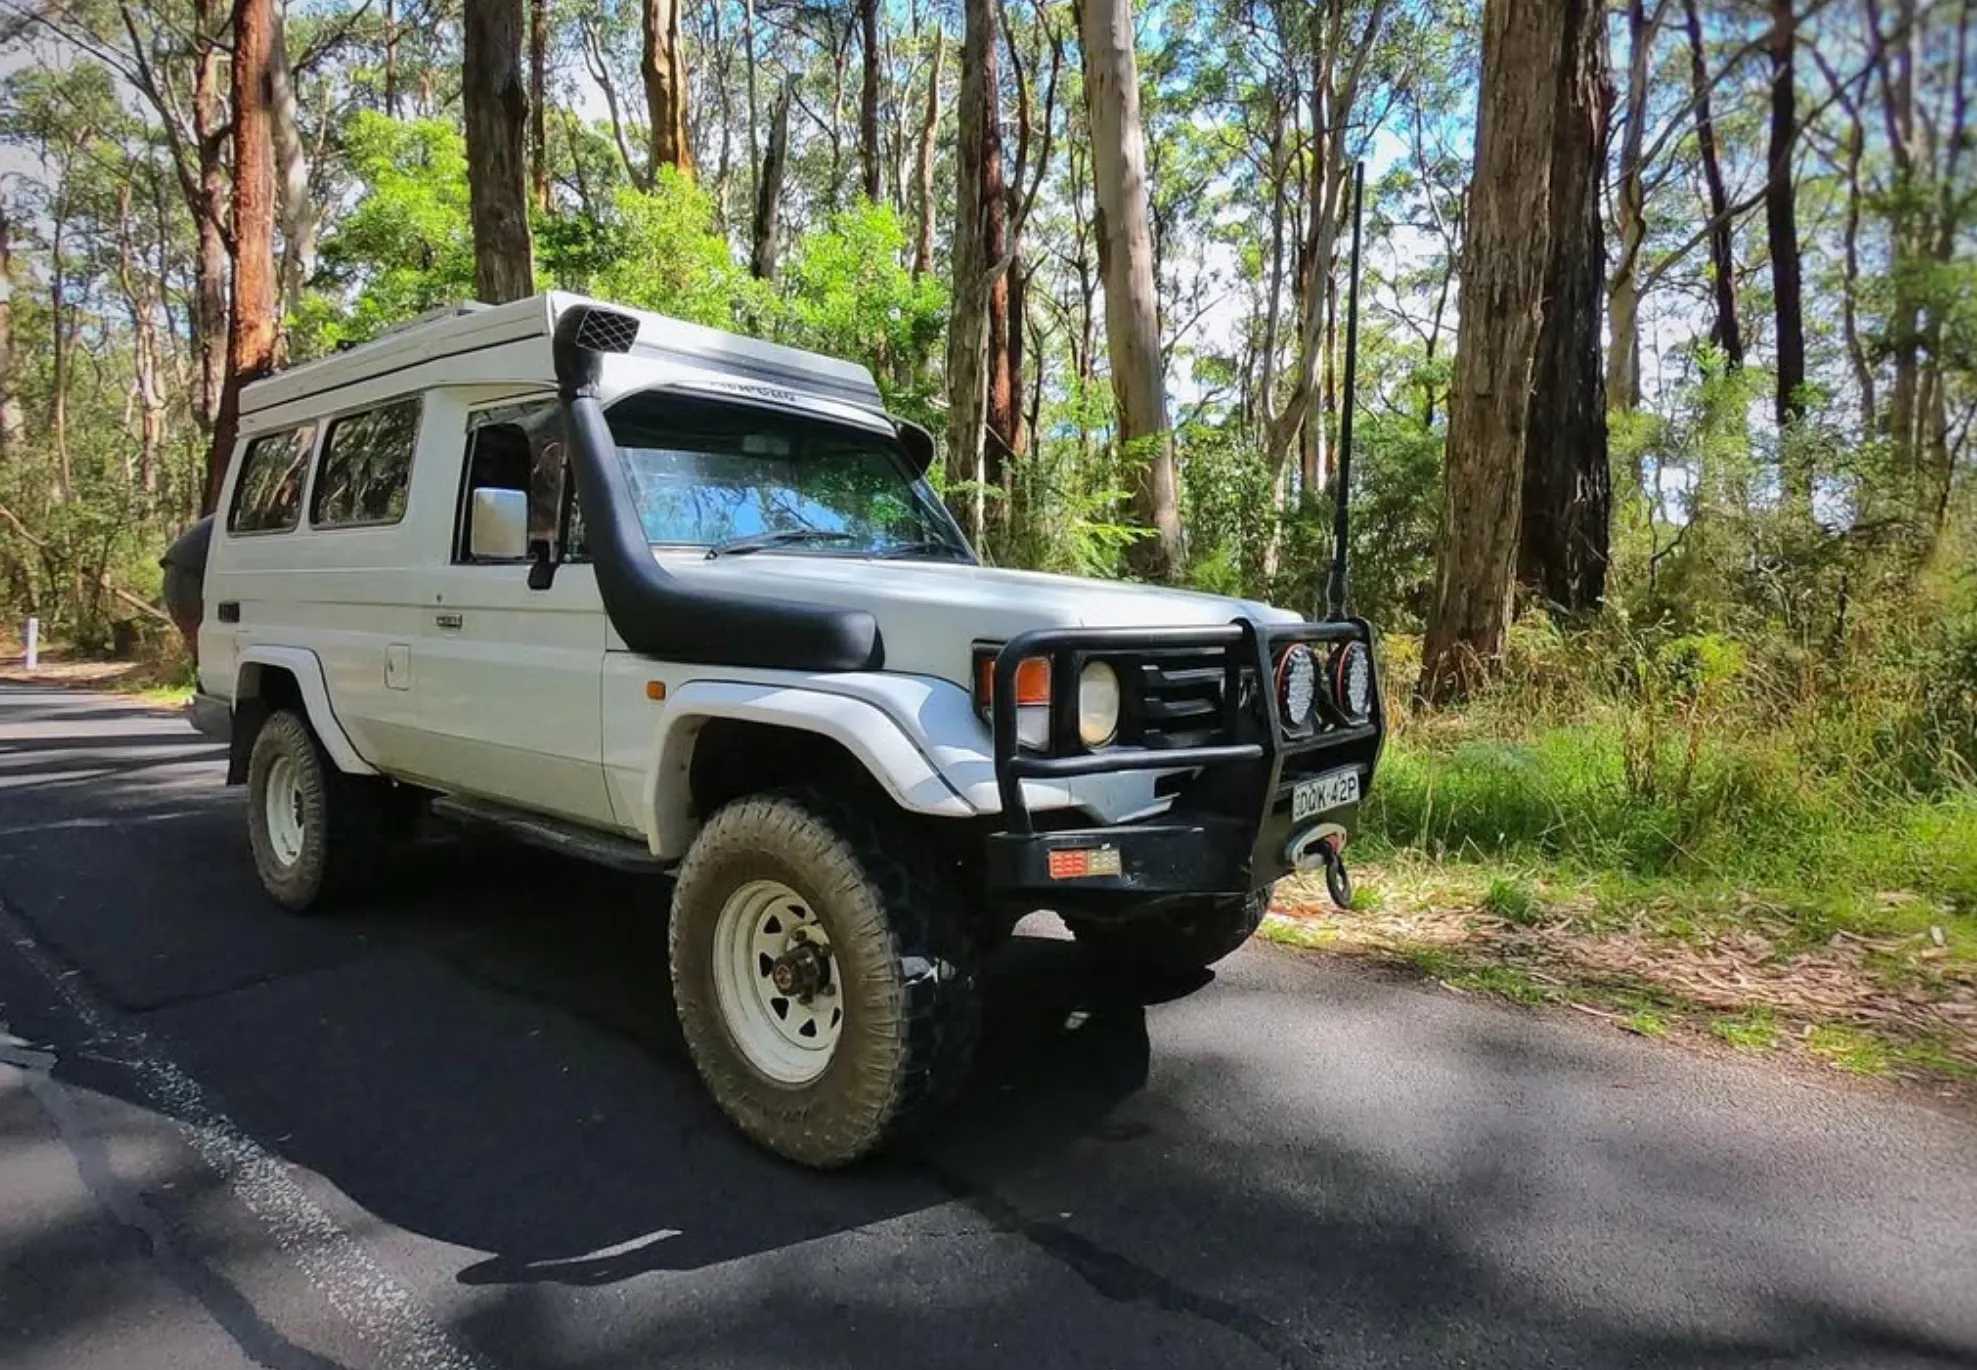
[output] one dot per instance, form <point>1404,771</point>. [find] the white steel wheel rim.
<point>282,806</point>
<point>786,1033</point>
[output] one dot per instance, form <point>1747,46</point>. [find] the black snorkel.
<point>656,613</point>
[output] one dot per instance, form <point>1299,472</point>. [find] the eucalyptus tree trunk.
<point>1567,513</point>
<point>1781,227</point>
<point>769,192</point>
<point>251,330</point>
<point>539,102</point>
<point>11,417</point>
<point>1725,331</point>
<point>662,64</point>
<point>494,91</point>
<point>978,213</point>
<point>870,165</point>
<point>1125,254</point>
<point>1623,292</point>
<point>295,207</point>
<point>210,208</point>
<point>1500,310</point>
<point>923,179</point>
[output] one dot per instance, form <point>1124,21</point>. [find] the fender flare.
<point>874,737</point>
<point>307,670</point>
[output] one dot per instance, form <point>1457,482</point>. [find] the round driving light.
<point>1353,680</point>
<point>1098,704</point>
<point>1297,686</point>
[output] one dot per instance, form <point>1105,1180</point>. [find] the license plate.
<point>1334,790</point>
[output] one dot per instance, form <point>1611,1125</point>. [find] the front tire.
<point>1187,939</point>
<point>316,833</point>
<point>826,983</point>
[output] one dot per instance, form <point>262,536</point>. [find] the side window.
<point>517,447</point>
<point>268,496</point>
<point>366,467</point>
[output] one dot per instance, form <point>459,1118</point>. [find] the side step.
<point>553,834</point>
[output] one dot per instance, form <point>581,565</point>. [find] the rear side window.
<point>366,467</point>
<point>268,496</point>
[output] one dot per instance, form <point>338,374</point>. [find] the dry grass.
<point>1733,970</point>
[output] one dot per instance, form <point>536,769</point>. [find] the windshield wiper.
<point>780,537</point>
<point>947,551</point>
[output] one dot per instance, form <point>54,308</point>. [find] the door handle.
<point>450,620</point>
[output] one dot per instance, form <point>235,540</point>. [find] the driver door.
<point>509,678</point>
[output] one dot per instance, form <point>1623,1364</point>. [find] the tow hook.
<point>1324,845</point>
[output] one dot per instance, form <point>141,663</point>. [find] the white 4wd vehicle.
<point>667,597</point>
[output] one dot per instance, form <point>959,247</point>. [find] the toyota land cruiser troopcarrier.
<point>669,598</point>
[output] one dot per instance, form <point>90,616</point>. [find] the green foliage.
<point>407,244</point>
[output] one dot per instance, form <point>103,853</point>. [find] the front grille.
<point>1179,701</point>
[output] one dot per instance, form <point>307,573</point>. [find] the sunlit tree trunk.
<point>1125,255</point>
<point>662,64</point>
<point>211,133</point>
<point>1503,274</point>
<point>295,205</point>
<point>1623,297</point>
<point>251,330</point>
<point>11,419</point>
<point>494,91</point>
<point>923,178</point>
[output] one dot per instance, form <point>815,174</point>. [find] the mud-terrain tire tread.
<point>883,902</point>
<point>346,820</point>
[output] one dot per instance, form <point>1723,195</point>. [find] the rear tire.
<point>317,833</point>
<point>1188,939</point>
<point>873,1026</point>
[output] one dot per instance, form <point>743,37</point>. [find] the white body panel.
<point>458,677</point>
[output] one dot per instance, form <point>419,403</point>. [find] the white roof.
<point>509,344</point>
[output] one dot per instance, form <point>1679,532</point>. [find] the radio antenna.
<point>1342,500</point>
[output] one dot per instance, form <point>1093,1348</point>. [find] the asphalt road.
<point>457,1130</point>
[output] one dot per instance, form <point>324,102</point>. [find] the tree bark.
<point>1568,488</point>
<point>1623,300</point>
<point>1781,226</point>
<point>251,330</point>
<point>1132,319</point>
<point>539,102</point>
<point>495,94</point>
<point>1500,311</point>
<point>147,383</point>
<point>662,63</point>
<point>970,345</point>
<point>11,418</point>
<point>391,58</point>
<point>923,179</point>
<point>769,190</point>
<point>870,166</point>
<point>296,207</point>
<point>1725,332</point>
<point>209,211</point>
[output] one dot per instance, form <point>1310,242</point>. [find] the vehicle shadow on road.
<point>496,1064</point>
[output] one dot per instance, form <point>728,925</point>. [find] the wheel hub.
<point>775,979</point>
<point>802,971</point>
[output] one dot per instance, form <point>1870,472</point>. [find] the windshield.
<point>708,474</point>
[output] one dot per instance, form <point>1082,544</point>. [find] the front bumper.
<point>1229,829</point>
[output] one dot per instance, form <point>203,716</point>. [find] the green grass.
<point>1849,1049</point>
<point>1821,853</point>
<point>1754,1031</point>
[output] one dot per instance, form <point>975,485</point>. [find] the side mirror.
<point>500,524</point>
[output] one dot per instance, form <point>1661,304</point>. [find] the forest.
<point>1659,407</point>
